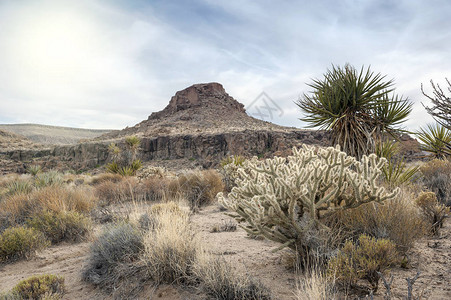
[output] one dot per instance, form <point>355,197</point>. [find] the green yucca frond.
<point>113,167</point>
<point>435,139</point>
<point>136,165</point>
<point>395,172</point>
<point>34,169</point>
<point>357,107</point>
<point>132,142</point>
<point>19,187</point>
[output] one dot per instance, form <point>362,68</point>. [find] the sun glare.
<point>56,45</point>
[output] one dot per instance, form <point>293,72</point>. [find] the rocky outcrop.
<point>201,123</point>
<point>77,157</point>
<point>198,95</point>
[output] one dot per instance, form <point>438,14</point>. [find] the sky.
<point>108,64</point>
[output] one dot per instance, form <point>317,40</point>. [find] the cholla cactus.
<point>284,198</point>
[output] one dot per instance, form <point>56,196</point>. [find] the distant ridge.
<point>54,135</point>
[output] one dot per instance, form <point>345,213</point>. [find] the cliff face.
<point>201,123</point>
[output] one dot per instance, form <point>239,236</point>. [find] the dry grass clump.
<point>106,177</point>
<point>198,187</point>
<point>363,260</point>
<point>170,249</point>
<point>218,280</point>
<point>16,209</point>
<point>437,178</point>
<point>40,287</point>
<point>156,188</point>
<point>314,285</point>
<point>68,226</point>
<point>20,242</point>
<point>399,220</point>
<point>126,190</point>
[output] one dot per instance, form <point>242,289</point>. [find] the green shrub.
<point>61,226</point>
<point>363,261</point>
<point>20,242</point>
<point>40,287</point>
<point>118,244</point>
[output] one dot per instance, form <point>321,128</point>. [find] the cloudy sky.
<point>110,63</point>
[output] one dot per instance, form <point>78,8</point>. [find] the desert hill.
<point>54,135</point>
<point>10,141</point>
<point>201,108</point>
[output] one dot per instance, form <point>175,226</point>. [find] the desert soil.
<point>431,256</point>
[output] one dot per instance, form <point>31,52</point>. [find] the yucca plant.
<point>357,108</point>
<point>435,139</point>
<point>34,169</point>
<point>395,172</point>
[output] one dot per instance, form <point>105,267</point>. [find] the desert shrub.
<point>119,244</point>
<point>41,287</point>
<point>170,248</point>
<point>128,189</point>
<point>363,260</point>
<point>50,178</point>
<point>34,169</point>
<point>433,211</point>
<point>287,199</point>
<point>200,188</point>
<point>106,177</point>
<point>20,242</point>
<point>218,280</point>
<point>315,285</point>
<point>437,178</point>
<point>229,170</point>
<point>397,219</point>
<point>435,140</point>
<point>61,226</point>
<point>156,188</point>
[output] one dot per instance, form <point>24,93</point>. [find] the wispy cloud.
<point>109,64</point>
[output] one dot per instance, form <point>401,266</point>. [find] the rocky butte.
<point>201,123</point>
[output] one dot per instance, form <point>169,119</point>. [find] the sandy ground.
<point>431,256</point>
